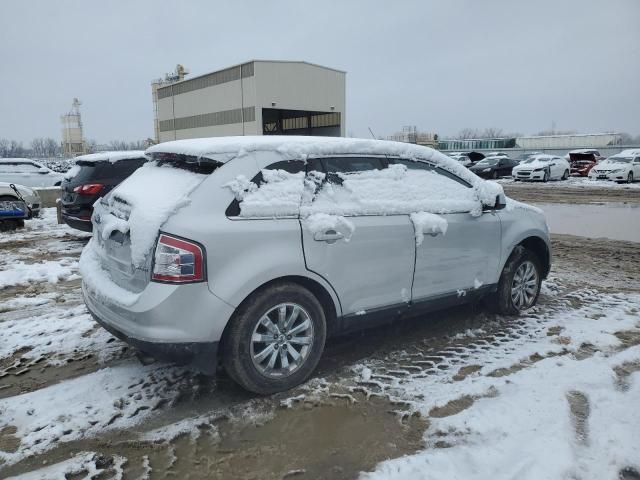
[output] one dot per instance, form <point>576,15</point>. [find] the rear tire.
<point>257,344</point>
<point>519,284</point>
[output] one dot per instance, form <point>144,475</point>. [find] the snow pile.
<point>429,223</point>
<point>111,157</point>
<point>321,222</point>
<point>279,196</point>
<point>72,172</point>
<point>51,271</point>
<point>143,202</point>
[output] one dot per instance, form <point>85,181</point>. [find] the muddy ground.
<point>345,420</point>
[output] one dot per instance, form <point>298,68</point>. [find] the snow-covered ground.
<point>552,394</point>
<point>576,182</point>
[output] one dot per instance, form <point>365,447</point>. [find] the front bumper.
<point>616,177</point>
<point>529,175</point>
<point>173,323</point>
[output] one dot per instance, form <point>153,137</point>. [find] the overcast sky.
<point>440,65</point>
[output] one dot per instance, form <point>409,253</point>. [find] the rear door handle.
<point>329,236</point>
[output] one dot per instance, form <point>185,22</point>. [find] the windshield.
<point>487,162</point>
<point>536,159</point>
<point>619,159</point>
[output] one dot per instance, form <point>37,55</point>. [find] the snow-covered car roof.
<point>544,156</point>
<point>224,149</point>
<point>21,160</point>
<point>627,153</point>
<point>111,156</point>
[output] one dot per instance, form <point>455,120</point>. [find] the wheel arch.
<point>330,306</point>
<point>540,249</point>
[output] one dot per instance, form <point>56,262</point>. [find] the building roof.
<point>256,61</point>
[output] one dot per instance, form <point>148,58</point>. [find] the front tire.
<point>519,284</point>
<point>275,339</point>
<point>565,175</point>
<point>545,178</point>
<point>630,177</point>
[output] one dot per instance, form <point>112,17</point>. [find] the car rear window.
<point>191,163</point>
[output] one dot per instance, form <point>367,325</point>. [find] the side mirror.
<point>501,202</point>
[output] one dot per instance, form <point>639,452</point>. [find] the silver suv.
<point>252,250</point>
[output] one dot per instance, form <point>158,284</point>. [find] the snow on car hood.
<point>532,165</point>
<point>143,202</point>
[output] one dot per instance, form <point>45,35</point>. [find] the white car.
<point>23,171</point>
<point>542,167</point>
<point>30,196</point>
<point>622,167</point>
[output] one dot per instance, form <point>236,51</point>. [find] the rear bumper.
<point>203,356</point>
<point>178,323</point>
<point>77,223</point>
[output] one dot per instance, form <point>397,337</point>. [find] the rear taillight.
<point>89,189</point>
<point>177,261</point>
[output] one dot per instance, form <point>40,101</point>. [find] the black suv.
<point>92,177</point>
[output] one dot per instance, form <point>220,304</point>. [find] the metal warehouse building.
<point>260,97</point>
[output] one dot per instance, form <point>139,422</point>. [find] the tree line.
<point>47,147</point>
<point>477,133</point>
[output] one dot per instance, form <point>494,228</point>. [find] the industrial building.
<point>539,142</point>
<point>260,97</point>
<point>73,142</point>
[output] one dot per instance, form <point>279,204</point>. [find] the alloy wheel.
<point>524,287</point>
<point>282,340</point>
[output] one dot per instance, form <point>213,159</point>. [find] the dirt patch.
<point>453,407</point>
<point>554,193</point>
<point>579,408</point>
<point>464,372</point>
<point>335,440</point>
<point>8,441</point>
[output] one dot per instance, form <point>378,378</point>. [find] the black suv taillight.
<point>177,260</point>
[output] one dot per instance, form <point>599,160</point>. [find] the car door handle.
<point>330,236</point>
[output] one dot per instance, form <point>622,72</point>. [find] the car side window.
<point>413,164</point>
<point>351,164</point>
<point>289,166</point>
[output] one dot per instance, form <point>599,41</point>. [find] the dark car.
<point>494,167</point>
<point>92,177</point>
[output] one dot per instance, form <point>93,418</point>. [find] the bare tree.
<point>4,147</point>
<point>15,149</point>
<point>466,133</point>
<point>91,146</point>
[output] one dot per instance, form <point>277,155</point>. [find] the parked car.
<point>582,161</point>
<point>462,158</point>
<point>494,167</point>
<point>92,177</point>
<point>542,167</point>
<point>30,173</point>
<point>13,208</point>
<point>254,249</point>
<point>497,154</point>
<point>29,195</point>
<point>622,167</point>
